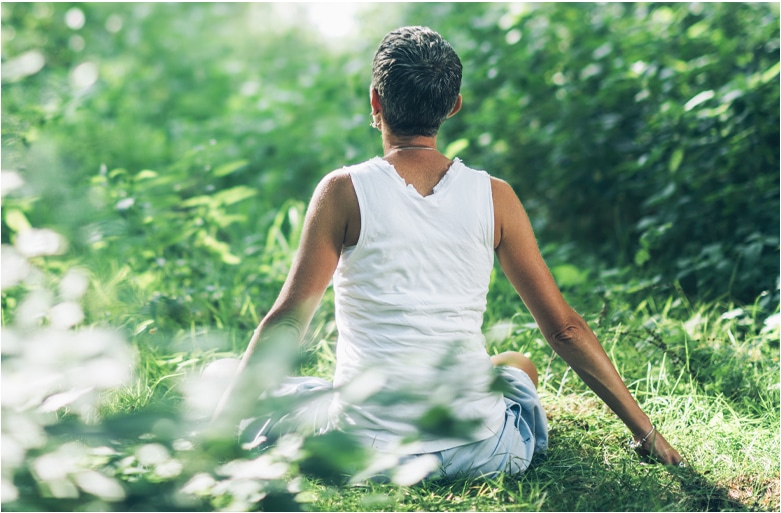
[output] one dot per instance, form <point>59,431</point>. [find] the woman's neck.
<point>392,142</point>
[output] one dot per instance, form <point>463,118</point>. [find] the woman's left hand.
<point>658,449</point>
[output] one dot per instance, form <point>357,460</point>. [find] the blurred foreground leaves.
<point>156,159</point>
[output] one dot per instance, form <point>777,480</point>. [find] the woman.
<point>409,240</point>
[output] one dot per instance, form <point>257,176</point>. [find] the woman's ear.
<point>374,99</point>
<point>456,107</point>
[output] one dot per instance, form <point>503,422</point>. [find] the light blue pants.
<point>525,433</point>
<point>511,450</point>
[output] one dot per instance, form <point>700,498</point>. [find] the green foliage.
<point>631,129</point>
<point>645,132</point>
<point>156,162</point>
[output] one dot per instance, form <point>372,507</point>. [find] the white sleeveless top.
<point>410,298</point>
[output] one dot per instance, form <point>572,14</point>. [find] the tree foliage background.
<point>646,134</point>
<point>165,152</point>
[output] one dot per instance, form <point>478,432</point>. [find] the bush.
<point>647,133</point>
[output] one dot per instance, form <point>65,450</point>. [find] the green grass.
<point>590,468</point>
<point>705,372</point>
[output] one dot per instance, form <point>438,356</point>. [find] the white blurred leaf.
<point>66,315</point>
<point>38,242</point>
<point>262,467</point>
<point>415,470</point>
<point>33,308</point>
<point>772,323</point>
<point>199,484</point>
<point>168,469</point>
<point>63,489</point>
<point>26,64</point>
<point>11,452</point>
<point>222,369</point>
<point>736,312</point>
<point>363,386</point>
<point>74,284</point>
<point>94,341</point>
<point>83,76</point>
<point>125,204</point>
<point>698,99</point>
<point>183,445</point>
<point>99,485</point>
<point>8,492</point>
<point>13,267</point>
<point>12,341</point>
<point>52,466</point>
<point>379,463</point>
<point>57,401</point>
<point>152,454</point>
<point>74,18</point>
<point>289,446</point>
<point>500,331</point>
<point>104,372</point>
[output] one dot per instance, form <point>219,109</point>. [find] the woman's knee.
<point>519,361</point>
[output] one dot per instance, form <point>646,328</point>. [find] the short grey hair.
<point>417,75</point>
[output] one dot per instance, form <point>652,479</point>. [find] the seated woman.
<point>409,240</point>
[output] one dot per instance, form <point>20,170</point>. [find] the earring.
<point>376,124</point>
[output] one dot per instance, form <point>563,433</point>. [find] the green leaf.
<point>146,174</point>
<point>332,456</point>
<point>234,195</point>
<point>196,201</point>
<point>770,73</point>
<point>218,247</point>
<point>456,147</point>
<point>642,256</point>
<point>16,220</point>
<point>440,420</point>
<point>568,275</point>
<point>675,159</point>
<point>698,29</point>
<point>230,167</point>
<point>224,220</point>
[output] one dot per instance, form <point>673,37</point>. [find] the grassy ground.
<point>589,468</point>
<point>724,419</point>
<point>705,372</point>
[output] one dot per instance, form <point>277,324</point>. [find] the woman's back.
<point>410,298</point>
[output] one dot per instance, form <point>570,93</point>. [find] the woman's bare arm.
<point>565,330</point>
<point>329,222</point>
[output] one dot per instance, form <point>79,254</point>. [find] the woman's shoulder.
<point>343,176</point>
<point>338,182</point>
<point>475,171</point>
<point>477,175</point>
<point>363,167</point>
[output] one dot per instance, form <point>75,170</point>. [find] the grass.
<point>705,372</point>
<point>588,468</point>
<point>733,464</point>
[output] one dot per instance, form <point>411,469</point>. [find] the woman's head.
<point>417,76</point>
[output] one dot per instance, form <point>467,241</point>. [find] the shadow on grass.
<point>571,478</point>
<point>582,476</point>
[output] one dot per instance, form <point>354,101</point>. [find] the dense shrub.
<point>648,133</point>
<point>645,133</point>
